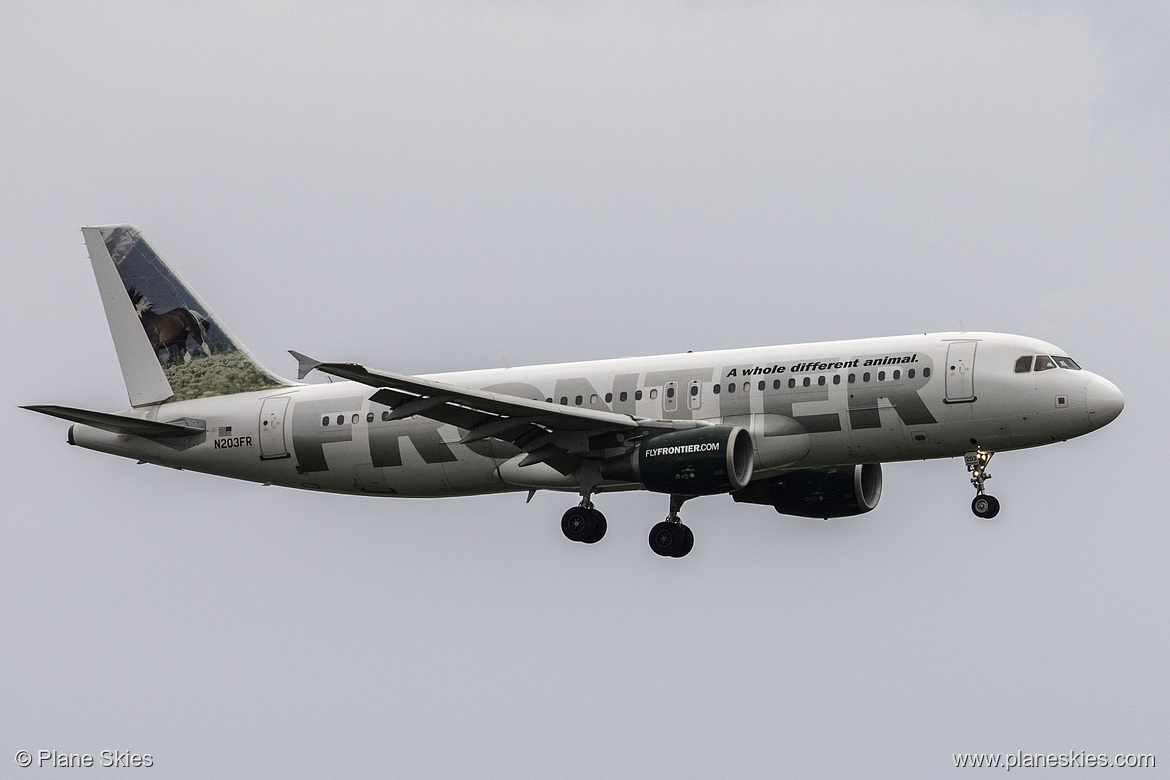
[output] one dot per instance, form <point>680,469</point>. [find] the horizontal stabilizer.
<point>116,423</point>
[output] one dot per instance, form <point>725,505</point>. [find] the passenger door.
<point>272,441</point>
<point>961,372</point>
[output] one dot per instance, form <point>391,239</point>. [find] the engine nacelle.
<point>695,462</point>
<point>840,491</point>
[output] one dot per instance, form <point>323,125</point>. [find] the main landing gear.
<point>670,538</point>
<point>583,523</point>
<point>982,505</point>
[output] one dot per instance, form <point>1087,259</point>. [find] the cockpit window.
<point>1043,363</point>
<point>1066,362</point>
<point>1024,364</point>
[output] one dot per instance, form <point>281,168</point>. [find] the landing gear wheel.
<point>575,523</point>
<point>583,524</point>
<point>663,538</point>
<point>985,506</point>
<point>688,543</point>
<point>671,540</point>
<point>599,528</point>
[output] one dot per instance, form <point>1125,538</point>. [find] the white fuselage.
<point>807,405</point>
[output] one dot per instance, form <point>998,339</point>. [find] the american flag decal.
<point>225,430</point>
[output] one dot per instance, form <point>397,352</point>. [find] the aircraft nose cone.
<point>1103,401</point>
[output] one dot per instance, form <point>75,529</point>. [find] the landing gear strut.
<point>670,538</point>
<point>983,505</point>
<point>583,523</point>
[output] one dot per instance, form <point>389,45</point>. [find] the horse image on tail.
<point>170,330</point>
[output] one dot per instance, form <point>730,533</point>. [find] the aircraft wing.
<point>548,433</point>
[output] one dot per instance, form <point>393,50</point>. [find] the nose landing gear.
<point>982,505</point>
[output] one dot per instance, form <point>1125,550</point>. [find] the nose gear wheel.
<point>982,505</point>
<point>985,506</point>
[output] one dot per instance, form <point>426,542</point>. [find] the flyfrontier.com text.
<point>821,365</point>
<point>683,449</point>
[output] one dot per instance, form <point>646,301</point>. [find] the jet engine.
<point>696,462</point>
<point>840,491</point>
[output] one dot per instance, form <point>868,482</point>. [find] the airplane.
<point>802,428</point>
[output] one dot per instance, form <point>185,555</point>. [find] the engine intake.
<point>840,491</point>
<point>696,462</point>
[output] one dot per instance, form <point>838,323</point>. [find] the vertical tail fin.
<point>169,343</point>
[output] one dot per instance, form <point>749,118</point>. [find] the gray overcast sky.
<point>438,186</point>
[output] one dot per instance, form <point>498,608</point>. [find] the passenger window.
<point>715,389</point>
<point>775,384</point>
<point>386,415</point>
<point>747,386</point>
<point>355,419</point>
<point>577,400</point>
<point>926,373</point>
<point>341,419</point>
<point>653,393</point>
<point>762,385</point>
<point>910,374</point>
<point>731,387</point>
<point>807,381</point>
<point>836,379</point>
<point>791,382</point>
<point>670,392</point>
<point>1024,364</point>
<point>865,377</point>
<point>624,395</point>
<point>1043,363</point>
<point>370,417</point>
<point>881,376</point>
<point>593,399</point>
<point>897,375</point>
<point>608,397</point>
<point>564,400</point>
<point>821,381</point>
<point>324,420</point>
<point>852,378</point>
<point>694,390</point>
<point>637,395</point>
